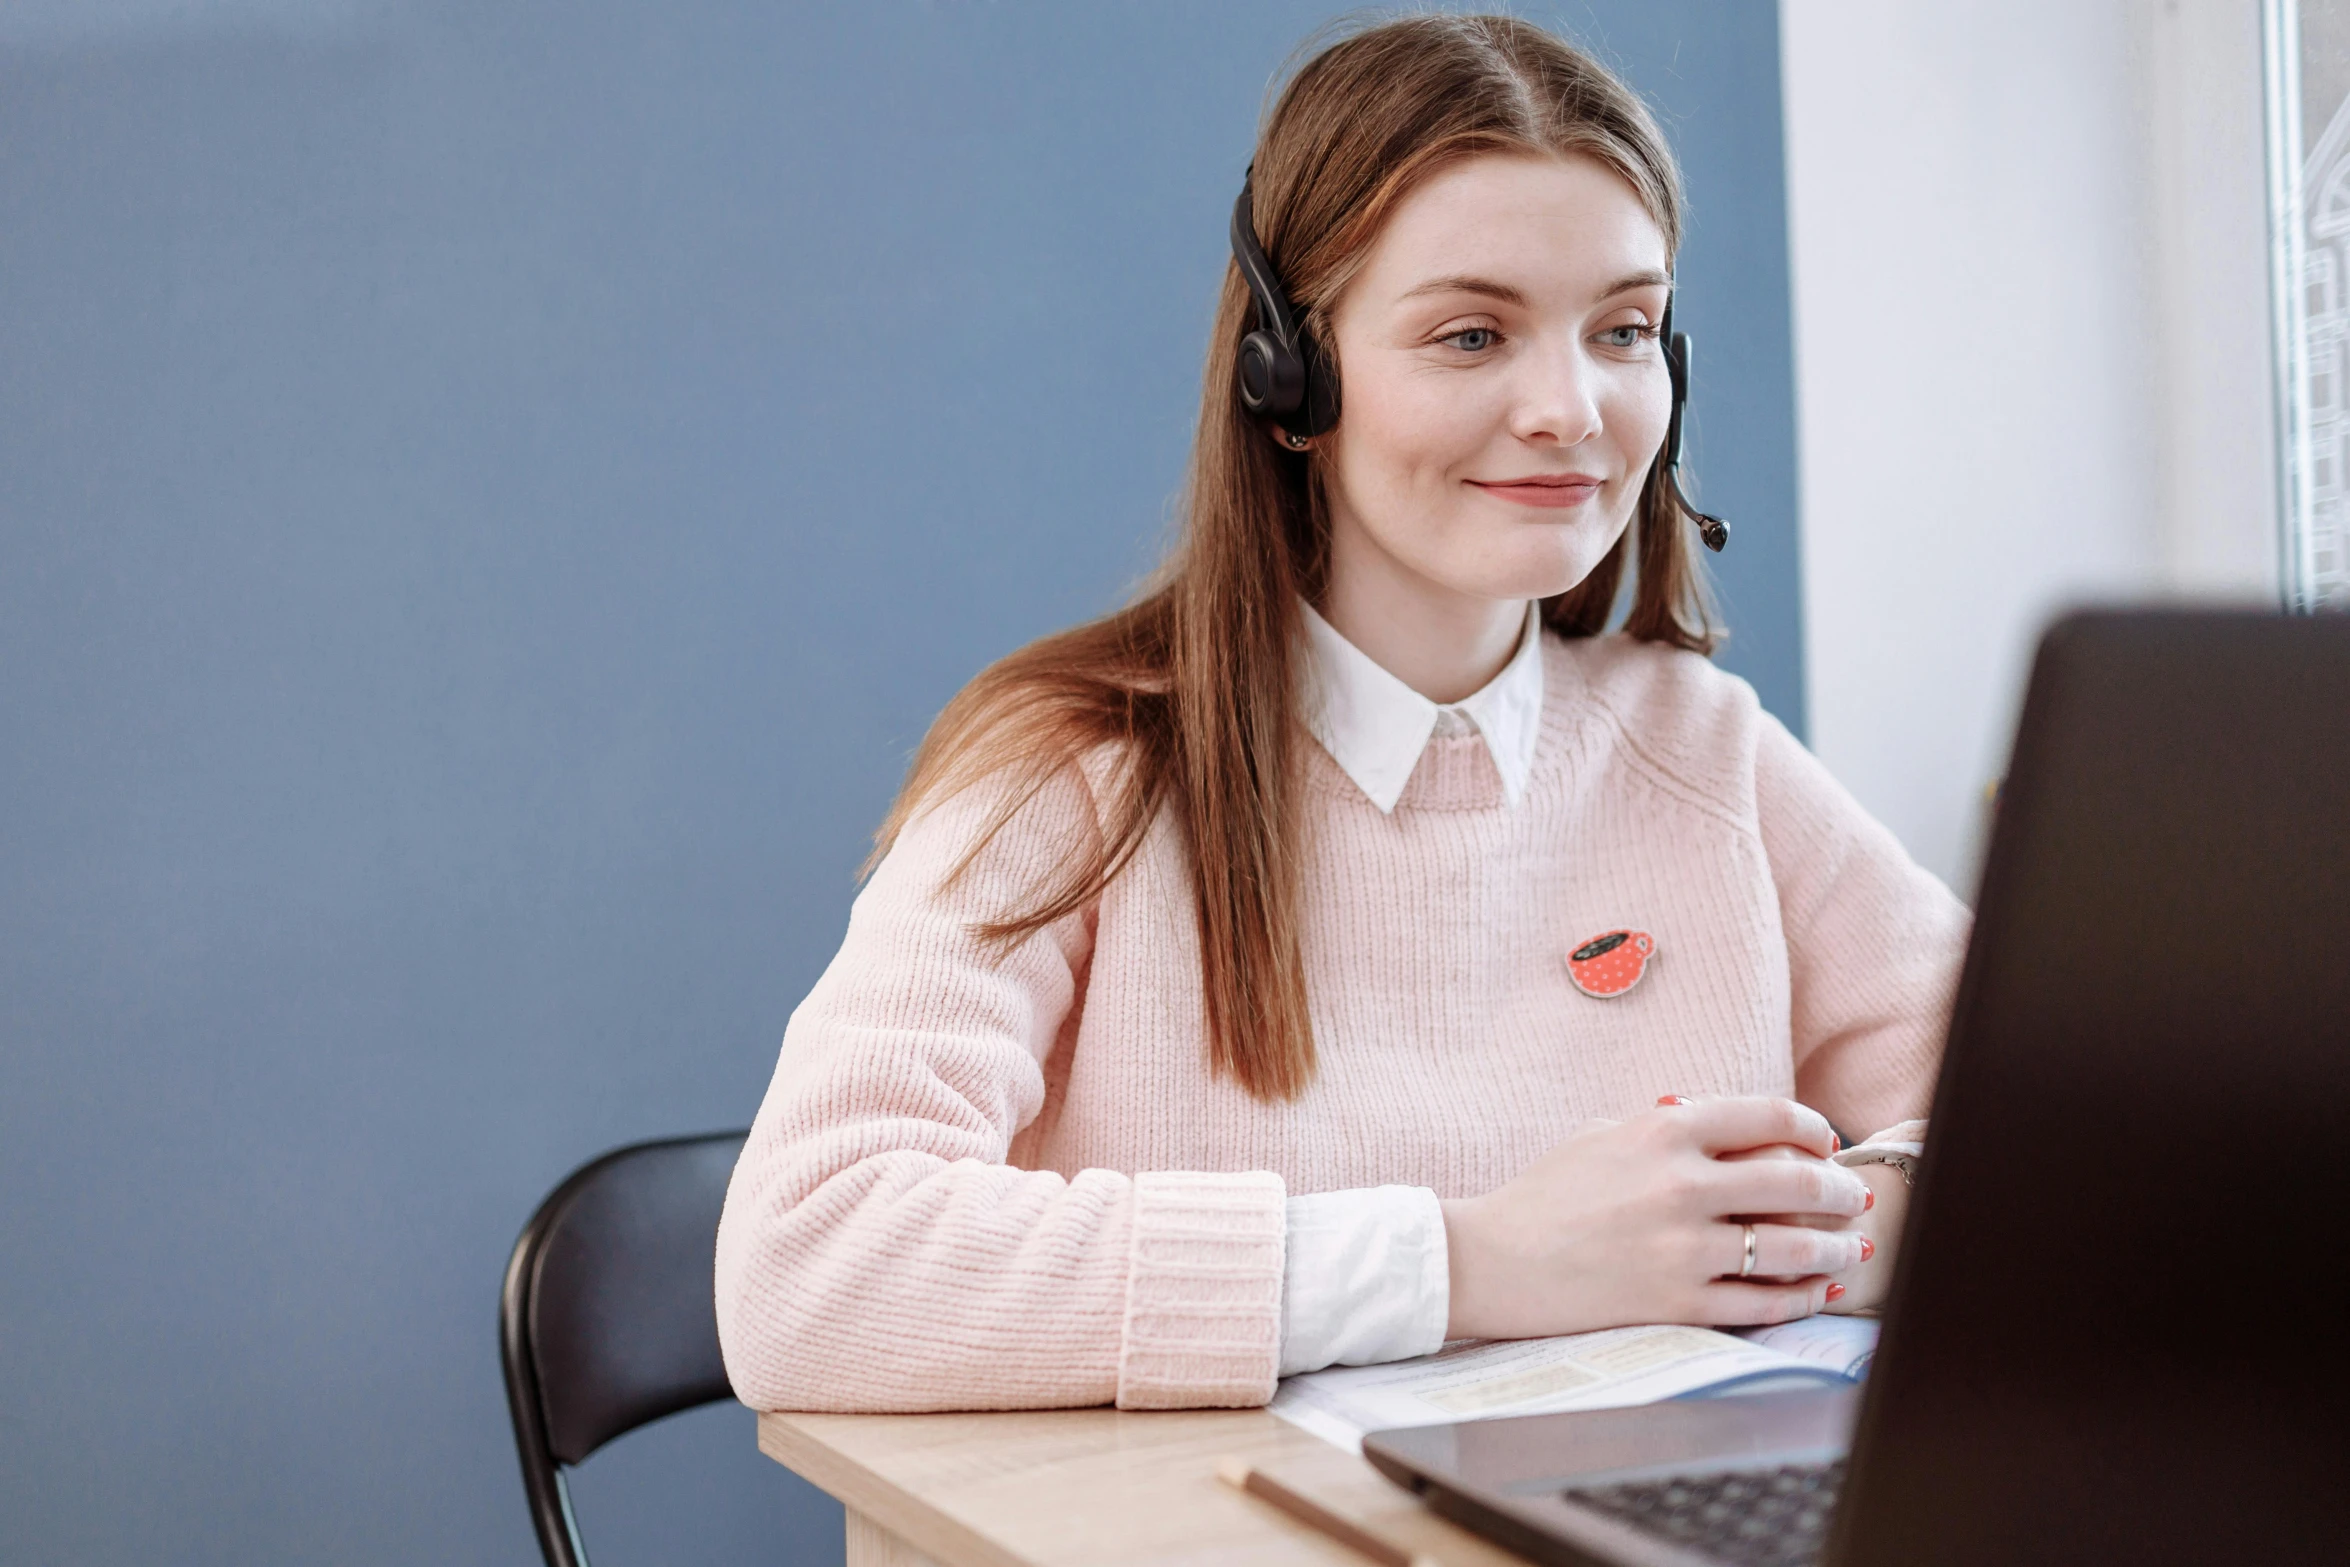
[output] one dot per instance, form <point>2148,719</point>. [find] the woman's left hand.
<point>1865,1283</point>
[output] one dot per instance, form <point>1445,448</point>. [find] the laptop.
<point>2119,1329</point>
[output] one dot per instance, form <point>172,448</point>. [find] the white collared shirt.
<point>1375,727</point>
<point>1367,1277</point>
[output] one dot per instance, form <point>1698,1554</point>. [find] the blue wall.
<point>490,492</point>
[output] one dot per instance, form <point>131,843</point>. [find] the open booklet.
<point>1481,1379</point>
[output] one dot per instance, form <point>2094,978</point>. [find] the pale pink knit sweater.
<point>984,1184</point>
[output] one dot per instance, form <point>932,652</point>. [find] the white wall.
<point>2031,357</point>
<point>2218,508</point>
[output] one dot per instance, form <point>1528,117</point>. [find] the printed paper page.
<point>1477,1380</point>
<point>1844,1345</point>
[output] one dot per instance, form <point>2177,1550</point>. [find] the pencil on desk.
<point>1306,1510</point>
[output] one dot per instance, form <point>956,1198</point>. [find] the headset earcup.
<point>1318,411</point>
<point>1677,367</point>
<point>1272,382</point>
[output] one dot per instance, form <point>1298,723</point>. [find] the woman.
<point>1348,947</point>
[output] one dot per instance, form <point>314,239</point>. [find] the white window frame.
<point>2309,252</point>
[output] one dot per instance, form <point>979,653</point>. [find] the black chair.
<point>609,1320</point>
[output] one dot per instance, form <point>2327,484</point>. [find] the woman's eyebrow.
<point>1651,278</point>
<point>1469,285</point>
<point>1509,294</point>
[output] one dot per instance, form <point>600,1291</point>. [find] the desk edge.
<point>919,1523</point>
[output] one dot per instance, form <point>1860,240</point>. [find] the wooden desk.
<point>1082,1487</point>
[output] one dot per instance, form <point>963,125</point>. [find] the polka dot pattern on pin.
<point>1607,966</point>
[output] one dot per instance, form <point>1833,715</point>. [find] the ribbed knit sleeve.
<point>1874,943</point>
<point>878,1253</point>
<point>1203,1308</point>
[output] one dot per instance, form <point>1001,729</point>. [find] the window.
<point>2307,43</point>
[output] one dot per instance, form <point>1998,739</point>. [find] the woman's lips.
<point>1564,490</point>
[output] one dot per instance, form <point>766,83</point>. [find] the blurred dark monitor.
<point>2127,1337</point>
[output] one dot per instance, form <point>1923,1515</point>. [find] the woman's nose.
<point>1557,401</point>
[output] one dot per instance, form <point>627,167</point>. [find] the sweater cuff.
<point>1203,1291</point>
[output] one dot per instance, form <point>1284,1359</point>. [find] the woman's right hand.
<point>1642,1221</point>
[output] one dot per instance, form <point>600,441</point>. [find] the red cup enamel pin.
<point>1607,966</point>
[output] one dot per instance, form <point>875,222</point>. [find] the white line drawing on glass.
<point>2319,560</point>
<point>2306,69</point>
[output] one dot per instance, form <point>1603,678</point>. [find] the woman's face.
<point>1503,391</point>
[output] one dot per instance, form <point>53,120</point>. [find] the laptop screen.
<point>2118,1332</point>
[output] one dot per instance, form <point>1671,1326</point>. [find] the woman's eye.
<point>1475,340</point>
<point>1624,336</point>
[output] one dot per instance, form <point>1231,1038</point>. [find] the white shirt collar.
<point>1375,727</point>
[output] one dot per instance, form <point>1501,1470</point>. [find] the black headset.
<point>1282,377</point>
<point>1284,382</point>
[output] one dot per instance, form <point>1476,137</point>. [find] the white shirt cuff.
<point>1366,1278</point>
<point>1907,1137</point>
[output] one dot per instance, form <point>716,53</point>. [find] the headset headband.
<point>1273,312</point>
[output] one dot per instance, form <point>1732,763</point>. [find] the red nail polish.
<point>1835,1143</point>
<point>1675,1099</point>
<point>1835,1292</point>
<point>1871,1202</point>
<point>1868,1248</point>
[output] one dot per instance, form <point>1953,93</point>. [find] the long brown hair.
<point>1192,688</point>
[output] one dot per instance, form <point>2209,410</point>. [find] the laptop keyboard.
<point>1754,1517</point>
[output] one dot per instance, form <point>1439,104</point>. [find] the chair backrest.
<point>609,1319</point>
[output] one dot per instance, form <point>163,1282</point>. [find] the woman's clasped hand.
<point>1645,1220</point>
